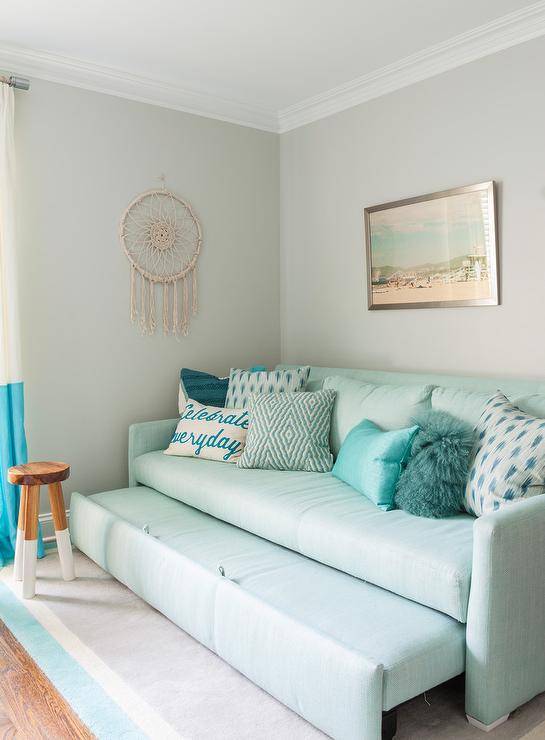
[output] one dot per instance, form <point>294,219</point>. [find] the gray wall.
<point>483,121</point>
<point>82,157</point>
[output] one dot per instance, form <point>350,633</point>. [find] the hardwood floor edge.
<point>31,702</point>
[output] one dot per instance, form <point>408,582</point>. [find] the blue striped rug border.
<point>103,717</point>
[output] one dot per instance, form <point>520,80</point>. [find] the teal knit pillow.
<point>289,431</point>
<point>433,483</point>
<point>371,460</point>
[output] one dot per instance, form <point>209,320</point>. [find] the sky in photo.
<point>429,232</point>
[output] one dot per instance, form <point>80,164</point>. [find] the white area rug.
<point>171,686</point>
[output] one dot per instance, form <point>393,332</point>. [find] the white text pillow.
<point>210,432</point>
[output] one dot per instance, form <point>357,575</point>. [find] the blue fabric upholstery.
<point>321,517</point>
<point>326,644</point>
<point>505,622</point>
<point>506,618</point>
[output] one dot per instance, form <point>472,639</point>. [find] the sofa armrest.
<point>148,436</point>
<point>505,653</point>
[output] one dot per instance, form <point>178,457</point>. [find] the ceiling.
<point>272,64</point>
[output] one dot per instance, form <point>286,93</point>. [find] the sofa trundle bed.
<point>338,609</point>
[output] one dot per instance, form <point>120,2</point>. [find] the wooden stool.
<point>30,477</point>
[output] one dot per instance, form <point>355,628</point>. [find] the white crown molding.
<point>69,71</point>
<point>502,33</point>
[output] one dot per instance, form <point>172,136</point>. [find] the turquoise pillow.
<point>371,460</point>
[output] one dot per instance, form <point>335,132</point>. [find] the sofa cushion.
<point>318,515</point>
<point>463,404</point>
<point>533,404</point>
<point>389,406</point>
<point>310,631</point>
<point>469,405</point>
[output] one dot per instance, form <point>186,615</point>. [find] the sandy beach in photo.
<point>468,291</point>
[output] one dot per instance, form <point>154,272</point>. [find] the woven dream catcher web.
<point>162,239</point>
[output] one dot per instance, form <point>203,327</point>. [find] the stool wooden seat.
<point>30,477</point>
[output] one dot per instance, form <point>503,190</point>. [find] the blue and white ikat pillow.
<point>508,457</point>
<point>244,383</point>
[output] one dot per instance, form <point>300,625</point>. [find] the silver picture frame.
<point>470,278</point>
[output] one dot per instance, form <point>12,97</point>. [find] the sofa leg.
<point>389,724</point>
<point>487,728</point>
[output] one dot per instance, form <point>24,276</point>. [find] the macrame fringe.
<point>175,308</point>
<point>151,310</point>
<point>142,305</point>
<point>143,316</point>
<point>134,312</point>
<point>184,325</point>
<point>194,294</point>
<point>166,327</point>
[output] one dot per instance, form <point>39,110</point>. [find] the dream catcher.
<point>162,239</point>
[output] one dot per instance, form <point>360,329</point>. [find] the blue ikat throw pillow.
<point>508,457</point>
<point>244,383</point>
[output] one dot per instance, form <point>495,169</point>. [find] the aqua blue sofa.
<point>338,609</point>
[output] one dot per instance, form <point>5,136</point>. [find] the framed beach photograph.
<point>435,250</point>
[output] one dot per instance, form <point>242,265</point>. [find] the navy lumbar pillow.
<point>433,483</point>
<point>205,388</point>
<point>202,387</point>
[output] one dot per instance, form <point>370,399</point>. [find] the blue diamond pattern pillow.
<point>508,457</point>
<point>289,431</point>
<point>243,383</point>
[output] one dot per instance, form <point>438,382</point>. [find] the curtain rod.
<point>19,83</point>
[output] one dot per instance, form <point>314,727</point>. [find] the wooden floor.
<point>30,706</point>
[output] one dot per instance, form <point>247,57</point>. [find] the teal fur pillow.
<point>433,483</point>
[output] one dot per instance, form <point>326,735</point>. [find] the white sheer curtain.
<point>10,367</point>
<point>12,433</point>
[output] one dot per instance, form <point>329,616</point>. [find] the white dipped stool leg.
<point>30,552</point>
<point>64,546</point>
<point>62,534</point>
<point>18,561</point>
<point>30,542</point>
